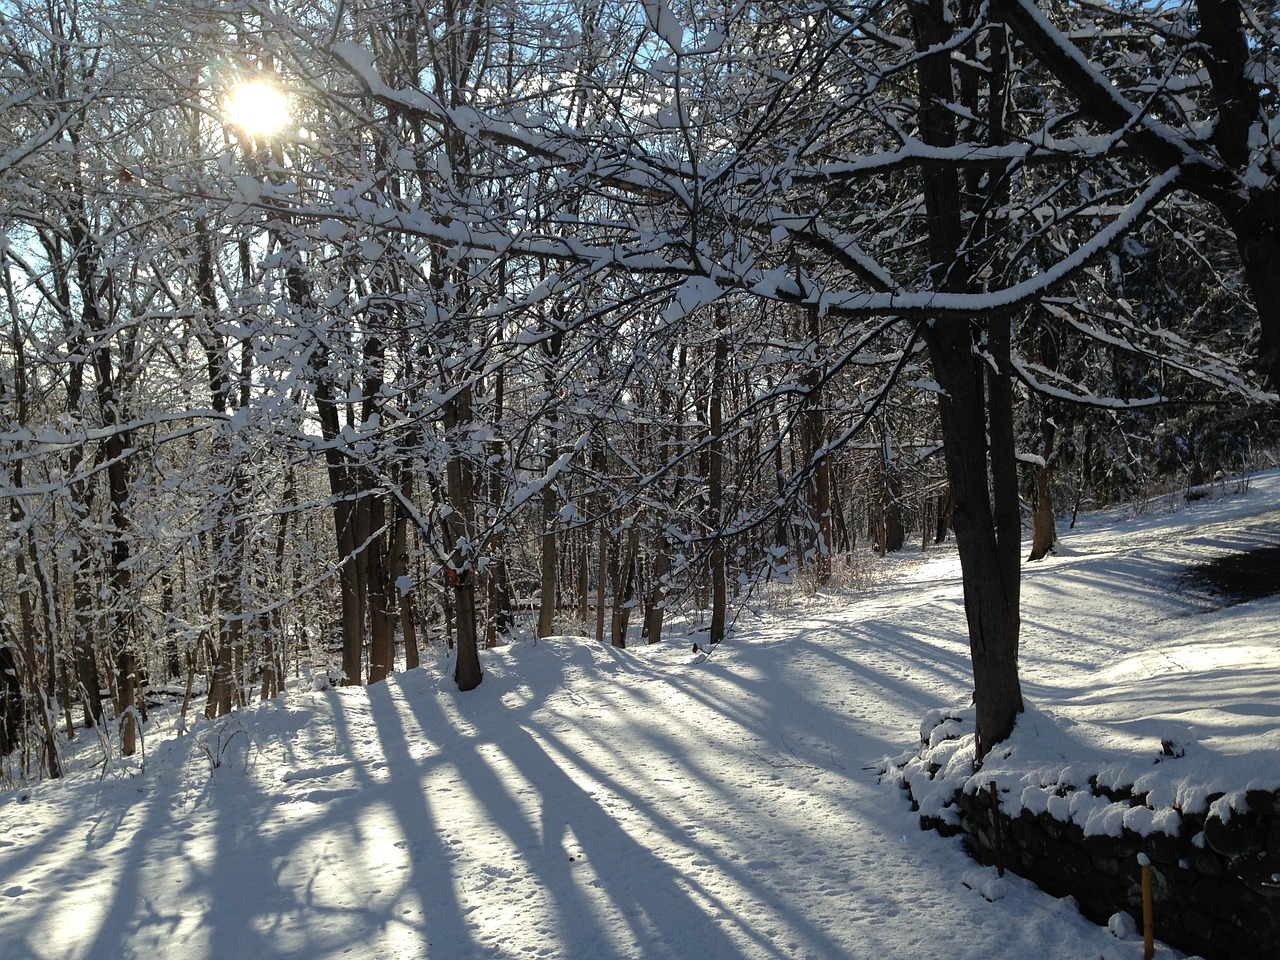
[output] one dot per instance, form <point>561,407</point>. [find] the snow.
<point>653,802</point>
<point>1136,679</point>
<point>663,22</point>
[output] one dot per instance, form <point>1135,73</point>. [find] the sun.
<point>258,107</point>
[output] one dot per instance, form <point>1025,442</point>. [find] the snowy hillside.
<point>657,802</point>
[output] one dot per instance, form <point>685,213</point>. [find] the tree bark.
<point>892,528</point>
<point>715,483</point>
<point>116,447</point>
<point>813,433</point>
<point>548,562</point>
<point>989,557</point>
<point>976,414</point>
<point>459,522</point>
<point>398,572</point>
<point>342,487</point>
<point>602,577</point>
<point>1259,246</point>
<point>466,672</point>
<point>624,587</point>
<point>1044,528</point>
<point>382,595</point>
<point>655,608</point>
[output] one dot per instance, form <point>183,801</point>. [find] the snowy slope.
<point>655,802</point>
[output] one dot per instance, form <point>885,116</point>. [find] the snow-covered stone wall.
<point>1215,885</point>
<point>1215,859</point>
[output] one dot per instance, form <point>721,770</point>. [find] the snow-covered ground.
<point>592,803</point>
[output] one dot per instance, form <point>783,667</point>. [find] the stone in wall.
<point>1216,884</point>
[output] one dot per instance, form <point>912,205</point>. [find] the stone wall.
<point>1216,885</point>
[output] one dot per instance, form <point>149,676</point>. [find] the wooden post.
<point>1148,920</point>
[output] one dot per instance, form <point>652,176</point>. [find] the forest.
<point>337,333</point>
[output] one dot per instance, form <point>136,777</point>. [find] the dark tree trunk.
<point>12,706</point>
<point>943,517</point>
<point>624,573</point>
<point>383,608</point>
<point>398,560</point>
<point>466,672</point>
<point>341,485</point>
<point>1260,253</point>
<point>715,483</point>
<point>549,558</point>
<point>462,489</point>
<point>550,546</point>
<point>813,433</point>
<point>988,561</point>
<point>602,577</point>
<point>501,604</point>
<point>655,600</point>
<point>893,533</point>
<point>375,534</point>
<point>116,446</point>
<point>1044,527</point>
<point>975,409</point>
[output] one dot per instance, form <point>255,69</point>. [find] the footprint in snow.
<point>324,796</point>
<point>314,773</point>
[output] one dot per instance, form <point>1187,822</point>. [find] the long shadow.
<point>569,822</point>
<point>637,888</point>
<point>431,877</point>
<point>234,885</point>
<point>784,700</point>
<point>289,874</point>
<point>130,915</point>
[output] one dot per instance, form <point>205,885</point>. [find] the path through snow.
<point>589,803</point>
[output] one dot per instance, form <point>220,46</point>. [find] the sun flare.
<point>258,107</point>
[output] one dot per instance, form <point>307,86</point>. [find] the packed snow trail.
<point>585,803</point>
<point>588,803</point>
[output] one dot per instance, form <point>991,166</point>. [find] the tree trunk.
<point>988,560</point>
<point>33,686</point>
<point>893,529</point>
<point>813,436</point>
<point>398,572</point>
<point>1044,531</point>
<point>501,604</point>
<point>83,641</point>
<point>342,487</point>
<point>466,673</point>
<point>655,600</point>
<point>1260,252</point>
<point>715,483</point>
<point>602,577</point>
<point>11,703</point>
<point>624,573</point>
<point>381,593</point>
<point>549,561</point>
<point>976,419</point>
<point>943,517</point>
<point>459,523</point>
<point>583,560</point>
